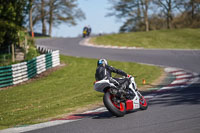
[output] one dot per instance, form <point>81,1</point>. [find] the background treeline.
<point>145,15</point>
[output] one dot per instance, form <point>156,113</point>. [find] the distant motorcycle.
<point>129,99</point>
<point>85,33</point>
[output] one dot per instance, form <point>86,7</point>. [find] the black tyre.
<point>143,103</point>
<point>116,110</point>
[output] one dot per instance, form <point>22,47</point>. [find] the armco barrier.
<point>18,73</point>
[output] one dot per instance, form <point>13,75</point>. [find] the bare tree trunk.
<point>167,6</point>
<point>146,15</point>
<point>50,27</point>
<point>26,45</point>
<point>138,10</point>
<point>50,17</point>
<point>30,18</point>
<point>13,53</point>
<point>168,20</point>
<point>43,17</point>
<point>193,7</point>
<point>145,6</point>
<point>169,15</point>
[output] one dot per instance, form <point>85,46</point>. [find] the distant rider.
<point>85,28</point>
<point>89,30</point>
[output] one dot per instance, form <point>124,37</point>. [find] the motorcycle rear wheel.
<point>116,110</point>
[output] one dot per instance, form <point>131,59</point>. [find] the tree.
<point>189,14</point>
<point>145,6</point>
<point>167,7</point>
<point>63,11</point>
<point>134,13</point>
<point>192,7</point>
<point>31,16</point>
<point>55,12</point>
<point>43,14</point>
<point>12,18</point>
<point>193,12</point>
<point>38,13</point>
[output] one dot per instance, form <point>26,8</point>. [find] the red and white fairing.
<point>133,104</point>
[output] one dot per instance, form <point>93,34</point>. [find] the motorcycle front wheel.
<point>118,110</point>
<point>143,103</point>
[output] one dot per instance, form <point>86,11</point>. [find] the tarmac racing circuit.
<point>175,109</point>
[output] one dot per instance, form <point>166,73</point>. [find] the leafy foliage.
<point>8,34</point>
<point>32,52</point>
<point>12,17</point>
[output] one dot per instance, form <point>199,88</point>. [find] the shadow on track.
<point>178,96</point>
<point>96,115</point>
<point>101,115</point>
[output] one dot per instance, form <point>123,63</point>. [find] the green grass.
<point>61,92</point>
<point>164,39</point>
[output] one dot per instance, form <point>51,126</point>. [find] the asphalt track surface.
<point>172,111</point>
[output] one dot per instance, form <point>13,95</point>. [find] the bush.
<point>32,52</point>
<point>20,44</point>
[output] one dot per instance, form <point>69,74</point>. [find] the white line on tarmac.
<point>179,81</point>
<point>101,109</point>
<point>179,73</point>
<point>35,126</point>
<point>184,76</point>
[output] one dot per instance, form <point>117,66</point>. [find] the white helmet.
<point>102,61</point>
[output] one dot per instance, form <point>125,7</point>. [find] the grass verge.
<point>61,92</point>
<point>164,39</point>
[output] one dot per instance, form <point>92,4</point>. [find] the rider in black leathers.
<point>104,71</point>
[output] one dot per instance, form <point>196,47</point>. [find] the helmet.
<point>102,61</point>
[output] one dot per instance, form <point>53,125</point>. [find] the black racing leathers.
<point>105,72</point>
